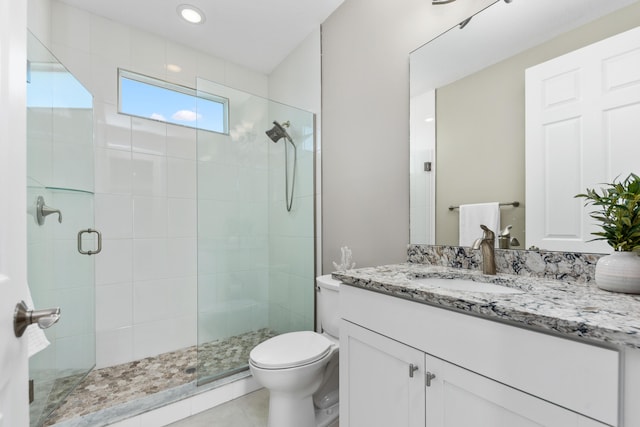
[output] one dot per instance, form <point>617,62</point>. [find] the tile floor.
<point>116,385</point>
<point>247,411</point>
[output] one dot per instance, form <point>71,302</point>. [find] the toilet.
<point>300,369</point>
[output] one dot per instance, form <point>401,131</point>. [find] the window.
<point>155,99</point>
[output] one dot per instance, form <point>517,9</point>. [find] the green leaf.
<point>617,209</point>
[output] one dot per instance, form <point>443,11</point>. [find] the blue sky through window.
<point>171,103</point>
<point>52,87</point>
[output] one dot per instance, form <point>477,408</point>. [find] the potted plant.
<point>618,211</point>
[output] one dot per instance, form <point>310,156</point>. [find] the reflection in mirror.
<point>467,106</point>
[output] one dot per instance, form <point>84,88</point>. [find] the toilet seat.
<point>290,350</point>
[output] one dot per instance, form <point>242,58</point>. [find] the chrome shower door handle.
<point>89,252</point>
<point>23,317</point>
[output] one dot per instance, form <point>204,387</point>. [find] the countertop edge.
<point>547,306</point>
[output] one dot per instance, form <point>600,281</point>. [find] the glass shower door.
<point>60,175</point>
<point>255,256</point>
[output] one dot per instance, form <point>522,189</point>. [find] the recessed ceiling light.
<point>191,14</point>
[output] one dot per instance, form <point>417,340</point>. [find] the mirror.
<point>467,113</point>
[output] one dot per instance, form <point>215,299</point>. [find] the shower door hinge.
<point>31,392</point>
<point>427,166</point>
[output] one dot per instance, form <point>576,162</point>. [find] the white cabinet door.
<point>457,397</point>
<point>381,380</point>
<point>582,129</point>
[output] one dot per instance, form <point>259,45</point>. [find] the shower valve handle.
<point>42,210</point>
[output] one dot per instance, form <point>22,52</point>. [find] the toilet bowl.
<point>300,369</point>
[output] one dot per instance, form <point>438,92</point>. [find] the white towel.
<point>471,216</point>
<point>36,339</point>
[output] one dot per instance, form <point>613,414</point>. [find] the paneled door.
<point>582,129</point>
<point>14,410</point>
<point>382,381</point>
<point>458,397</point>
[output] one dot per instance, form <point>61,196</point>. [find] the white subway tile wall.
<point>145,195</point>
<point>145,185</point>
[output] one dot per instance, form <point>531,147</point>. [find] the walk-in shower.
<point>255,260</point>
<point>276,133</point>
<point>255,264</point>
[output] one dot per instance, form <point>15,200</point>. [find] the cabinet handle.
<point>428,377</point>
<point>412,368</point>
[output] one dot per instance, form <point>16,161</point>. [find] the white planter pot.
<point>619,272</point>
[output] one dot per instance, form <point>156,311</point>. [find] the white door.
<point>458,397</point>
<point>381,380</point>
<point>13,264</point>
<point>582,129</point>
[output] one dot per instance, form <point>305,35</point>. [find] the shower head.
<point>278,132</point>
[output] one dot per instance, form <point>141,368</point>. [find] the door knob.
<point>24,317</point>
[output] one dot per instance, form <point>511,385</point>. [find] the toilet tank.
<point>328,304</point>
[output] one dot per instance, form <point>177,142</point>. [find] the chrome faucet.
<point>487,243</point>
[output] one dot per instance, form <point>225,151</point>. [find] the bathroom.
<point>364,115</point>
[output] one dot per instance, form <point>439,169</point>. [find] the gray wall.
<point>365,122</point>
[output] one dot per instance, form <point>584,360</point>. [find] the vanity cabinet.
<point>404,363</point>
<point>457,397</point>
<point>386,386</point>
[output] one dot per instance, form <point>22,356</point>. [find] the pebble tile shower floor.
<point>120,384</point>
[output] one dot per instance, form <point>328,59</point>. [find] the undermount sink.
<point>467,285</point>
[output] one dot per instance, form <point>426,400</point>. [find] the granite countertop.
<point>578,310</point>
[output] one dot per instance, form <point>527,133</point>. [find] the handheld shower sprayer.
<point>276,133</point>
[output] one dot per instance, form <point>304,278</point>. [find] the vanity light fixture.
<point>451,1</point>
<point>465,22</point>
<point>191,14</point>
